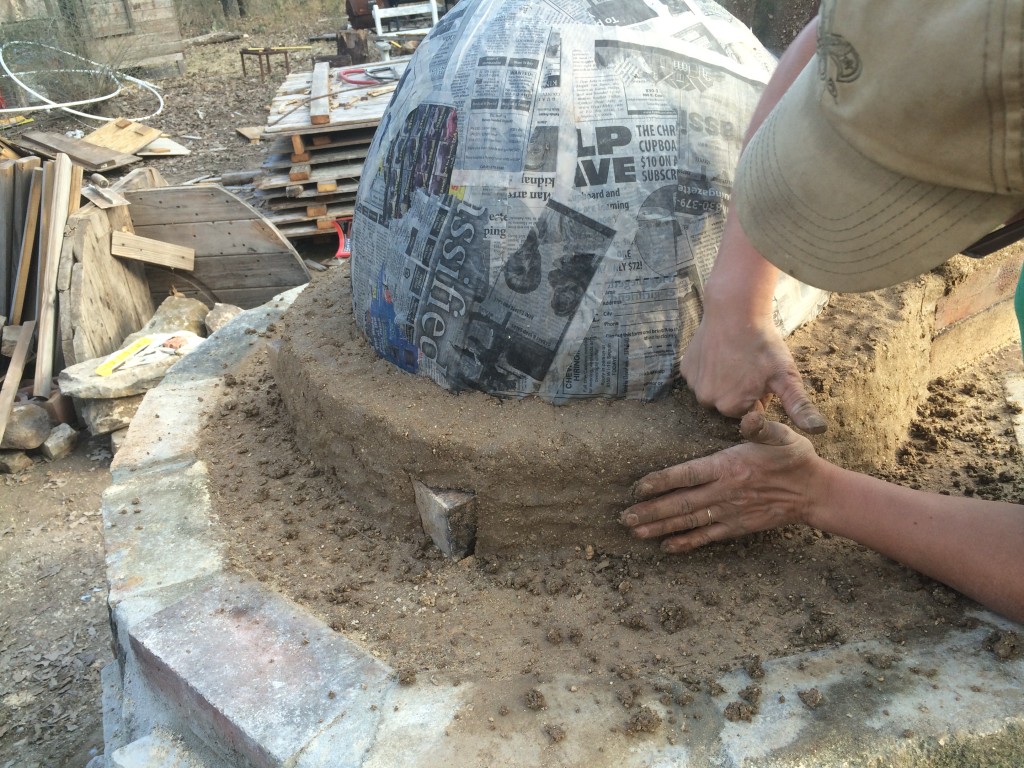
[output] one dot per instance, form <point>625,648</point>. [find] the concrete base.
<point>214,671</point>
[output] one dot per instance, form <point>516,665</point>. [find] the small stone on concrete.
<point>60,442</point>
<point>27,427</point>
<point>449,518</point>
<point>221,315</point>
<point>175,313</point>
<point>13,462</point>
<point>104,416</point>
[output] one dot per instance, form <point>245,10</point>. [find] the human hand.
<point>775,479</point>
<point>732,365</point>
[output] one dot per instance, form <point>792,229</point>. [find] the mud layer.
<point>625,628</point>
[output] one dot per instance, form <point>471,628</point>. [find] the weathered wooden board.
<point>300,215</point>
<point>319,91</point>
<point>330,172</point>
<point>14,373</point>
<point>344,194</point>
<point>7,229</point>
<point>123,135</point>
<point>102,299</point>
<point>55,216</point>
<point>240,257</point>
<point>28,241</point>
<point>319,158</point>
<point>163,147</point>
<point>126,245</point>
<point>89,156</point>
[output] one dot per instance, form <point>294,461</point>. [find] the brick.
<point>256,677</point>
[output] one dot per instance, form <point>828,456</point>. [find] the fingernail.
<point>631,519</point>
<point>816,422</point>
<point>641,489</point>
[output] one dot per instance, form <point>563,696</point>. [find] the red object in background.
<point>344,240</point>
<point>3,104</point>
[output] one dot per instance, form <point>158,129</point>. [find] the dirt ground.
<point>644,617</point>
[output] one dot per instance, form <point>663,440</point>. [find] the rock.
<point>449,518</point>
<point>9,339</point>
<point>13,462</point>
<point>60,442</point>
<point>176,313</point>
<point>221,315</point>
<point>104,416</point>
<point>28,426</point>
<point>117,440</point>
<point>83,382</point>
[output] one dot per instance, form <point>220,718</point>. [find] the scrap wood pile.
<point>109,294</point>
<point>321,124</point>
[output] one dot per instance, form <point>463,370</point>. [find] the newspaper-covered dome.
<point>545,195</point>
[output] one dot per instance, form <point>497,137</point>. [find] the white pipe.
<point>100,69</point>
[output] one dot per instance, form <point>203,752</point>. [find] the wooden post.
<point>14,373</point>
<point>320,101</point>
<point>58,216</point>
<point>28,241</point>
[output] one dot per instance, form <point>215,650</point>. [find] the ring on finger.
<point>711,519</point>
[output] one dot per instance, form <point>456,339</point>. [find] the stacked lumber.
<point>36,198</point>
<point>321,127</point>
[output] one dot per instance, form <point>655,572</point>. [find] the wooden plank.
<point>28,240</point>
<point>330,172</point>
<point>131,246</point>
<point>58,216</point>
<point>295,217</point>
<point>286,204</point>
<point>316,211</point>
<point>246,298</point>
<point>7,228</point>
<point>318,158</point>
<point>217,238</point>
<point>89,156</point>
<point>252,133</point>
<point>23,168</point>
<point>184,205</point>
<point>244,270</point>
<point>123,135</point>
<point>35,290</point>
<point>14,373</point>
<point>319,99</point>
<point>75,198</point>
<point>163,147</point>
<point>298,144</point>
<point>327,186</point>
<point>301,196</point>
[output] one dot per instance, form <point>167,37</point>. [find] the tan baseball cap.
<point>896,147</point>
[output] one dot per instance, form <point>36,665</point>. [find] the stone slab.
<point>158,530</point>
<point>165,429</point>
<point>28,426</point>
<point>13,462</point>
<point>257,677</point>
<point>229,347</point>
<point>109,415</point>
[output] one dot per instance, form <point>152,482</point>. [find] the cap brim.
<point>827,215</point>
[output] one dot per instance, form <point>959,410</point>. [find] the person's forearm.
<point>742,280</point>
<point>972,545</point>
